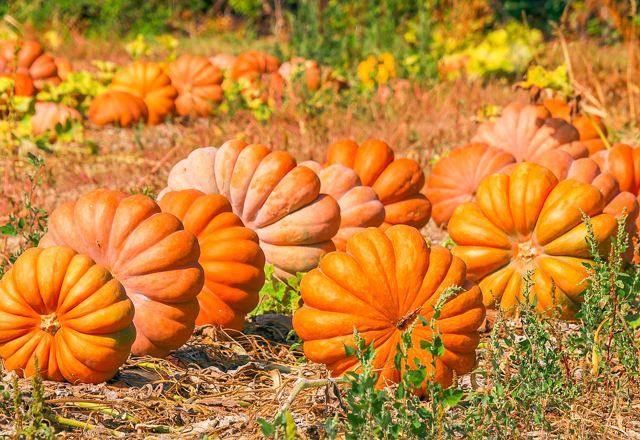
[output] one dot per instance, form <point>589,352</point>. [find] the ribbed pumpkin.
<point>28,58</point>
<point>147,81</point>
<point>359,205</point>
<point>66,311</point>
<point>48,114</point>
<point>525,131</point>
<point>119,108</point>
<point>454,178</point>
<point>530,221</point>
<point>589,126</point>
<point>198,83</point>
<point>253,64</point>
<point>22,84</point>
<point>232,261</point>
<point>396,181</point>
<point>380,286</point>
<point>271,194</point>
<point>148,251</point>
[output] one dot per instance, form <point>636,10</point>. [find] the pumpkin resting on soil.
<point>380,286</point>
<point>529,221</point>
<point>120,108</point>
<point>198,83</point>
<point>148,251</point>
<point>66,311</point>
<point>272,195</point>
<point>232,261</point>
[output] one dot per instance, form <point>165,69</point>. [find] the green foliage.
<point>556,80</point>
<point>76,91</point>
<point>277,296</point>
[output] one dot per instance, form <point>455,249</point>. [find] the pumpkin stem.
<point>49,323</point>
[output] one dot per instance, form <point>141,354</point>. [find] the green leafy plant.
<point>277,296</point>
<point>77,91</point>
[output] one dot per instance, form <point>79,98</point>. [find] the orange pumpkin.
<point>120,108</point>
<point>232,261</point>
<point>396,181</point>
<point>271,194</point>
<point>589,126</point>
<point>66,311</point>
<point>359,205</point>
<point>198,84</point>
<point>149,82</point>
<point>380,286</point>
<point>525,131</point>
<point>454,178</point>
<point>48,114</point>
<point>22,84</point>
<point>623,162</point>
<point>529,221</point>
<point>253,64</point>
<point>148,251</point>
<point>28,58</point>
<point>64,67</point>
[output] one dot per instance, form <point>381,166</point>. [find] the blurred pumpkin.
<point>22,84</point>
<point>223,61</point>
<point>253,64</point>
<point>116,107</point>
<point>64,67</point>
<point>28,58</point>
<point>198,83</point>
<point>62,309</point>
<point>146,250</point>
<point>49,114</point>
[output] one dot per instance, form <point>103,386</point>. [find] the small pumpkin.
<point>529,221</point>
<point>148,81</point>
<point>22,84</point>
<point>70,314</point>
<point>230,256</point>
<point>380,286</point>
<point>253,64</point>
<point>590,127</point>
<point>198,83</point>
<point>397,182</point>
<point>623,162</point>
<point>48,114</point>
<point>28,58</point>
<point>119,108</point>
<point>146,250</point>
<point>64,67</point>
<point>272,195</point>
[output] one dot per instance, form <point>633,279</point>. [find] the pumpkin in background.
<point>119,108</point>
<point>272,195</point>
<point>230,256</point>
<point>589,126</point>
<point>66,311</point>
<point>28,58</point>
<point>529,221</point>
<point>396,181</point>
<point>307,69</point>
<point>22,84</point>
<point>359,205</point>
<point>146,250</point>
<point>623,162</point>
<point>454,178</point>
<point>223,61</point>
<point>380,286</point>
<point>253,64</point>
<point>48,114</point>
<point>526,131</point>
<point>198,83</point>
<point>64,67</point>
<point>147,81</point>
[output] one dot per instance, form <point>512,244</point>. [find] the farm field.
<point>418,219</point>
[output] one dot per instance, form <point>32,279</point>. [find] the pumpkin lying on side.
<point>149,82</point>
<point>529,221</point>
<point>66,311</point>
<point>198,83</point>
<point>454,178</point>
<point>119,108</point>
<point>22,84</point>
<point>253,64</point>
<point>380,286</point>
<point>272,195</point>
<point>590,127</point>
<point>28,58</point>
<point>359,205</point>
<point>49,114</point>
<point>232,261</point>
<point>146,250</point>
<point>396,181</point>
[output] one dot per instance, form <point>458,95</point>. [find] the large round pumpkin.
<point>147,81</point>
<point>49,114</point>
<point>396,181</point>
<point>116,107</point>
<point>529,221</point>
<point>271,194</point>
<point>148,251</point>
<point>380,286</point>
<point>359,205</point>
<point>62,309</point>
<point>454,178</point>
<point>253,64</point>
<point>28,58</point>
<point>198,83</point>
<point>230,256</point>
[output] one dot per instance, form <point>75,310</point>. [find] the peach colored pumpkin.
<point>48,114</point>
<point>223,61</point>
<point>198,83</point>
<point>119,108</point>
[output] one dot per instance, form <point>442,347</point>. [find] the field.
<point>536,376</point>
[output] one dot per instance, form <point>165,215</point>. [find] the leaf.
<point>9,230</point>
<point>267,428</point>
<point>451,397</point>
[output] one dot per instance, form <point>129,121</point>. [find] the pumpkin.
<point>380,286</point>
<point>272,195</point>
<point>149,82</point>
<point>230,256</point>
<point>396,181</point>
<point>223,61</point>
<point>198,84</point>
<point>28,58</point>
<point>525,131</point>
<point>253,64</point>
<point>48,114</point>
<point>64,67</point>
<point>455,177</point>
<point>589,126</point>
<point>623,162</point>
<point>359,205</point>
<point>22,84</point>
<point>529,221</point>
<point>309,69</point>
<point>62,309</point>
<point>148,251</point>
<point>116,107</point>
